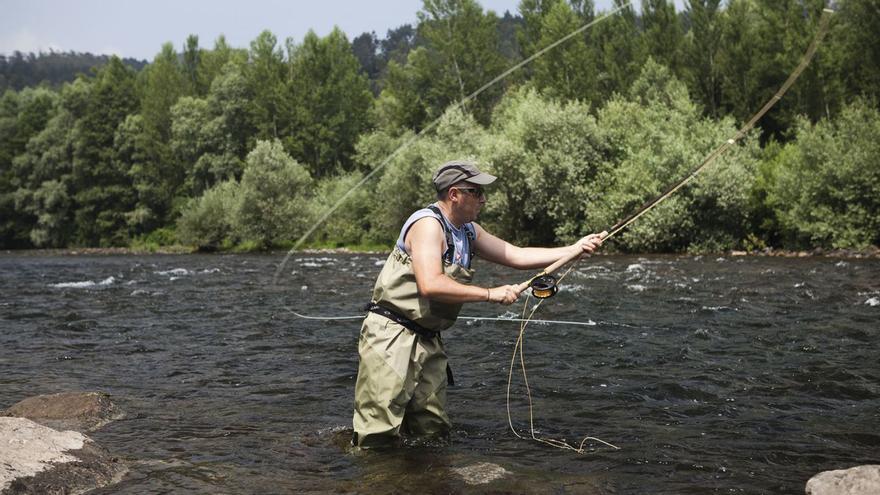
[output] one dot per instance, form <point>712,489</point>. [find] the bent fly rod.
<point>545,285</point>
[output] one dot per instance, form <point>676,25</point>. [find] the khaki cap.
<point>458,170</point>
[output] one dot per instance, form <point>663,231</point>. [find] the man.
<point>402,376</point>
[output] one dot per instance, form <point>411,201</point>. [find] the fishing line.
<point>467,318</point>
<point>406,144</point>
<point>544,285</point>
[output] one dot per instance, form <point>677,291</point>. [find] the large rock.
<point>860,480</point>
<point>37,459</point>
<point>78,411</point>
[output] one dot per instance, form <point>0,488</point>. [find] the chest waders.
<point>402,374</point>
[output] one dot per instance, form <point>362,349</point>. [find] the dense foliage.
<point>255,146</point>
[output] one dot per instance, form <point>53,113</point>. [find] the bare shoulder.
<point>424,230</point>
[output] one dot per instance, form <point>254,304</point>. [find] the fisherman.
<point>403,371</point>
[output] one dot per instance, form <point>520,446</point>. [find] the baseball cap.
<point>458,170</point>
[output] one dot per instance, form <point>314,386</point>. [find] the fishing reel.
<point>544,286</point>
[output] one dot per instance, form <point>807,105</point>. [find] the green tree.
<point>461,54</point>
<point>701,46</point>
<point>191,59</point>
<point>103,187</point>
<point>265,75</point>
<point>569,71</point>
<point>332,103</point>
<point>212,62</point>
<point>209,136</point>
<point>621,51</point>
<point>762,42</point>
<point>23,115</point>
<point>852,56</point>
<point>143,144</point>
<point>663,34</point>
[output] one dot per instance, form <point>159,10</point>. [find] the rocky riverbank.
<point>43,448</point>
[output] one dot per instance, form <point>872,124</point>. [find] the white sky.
<point>138,28</point>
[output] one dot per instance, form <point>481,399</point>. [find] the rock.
<point>860,480</point>
<point>481,473</point>
<point>78,411</point>
<point>37,459</point>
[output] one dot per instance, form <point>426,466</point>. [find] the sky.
<point>138,28</point>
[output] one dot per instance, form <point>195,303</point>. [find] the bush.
<point>827,187</point>
<point>273,203</point>
<point>547,155</point>
<point>206,221</point>
<point>659,136</point>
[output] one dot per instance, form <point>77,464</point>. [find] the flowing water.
<point>712,375</point>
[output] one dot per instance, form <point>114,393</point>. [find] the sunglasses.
<point>476,191</point>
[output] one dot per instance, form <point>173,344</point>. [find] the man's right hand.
<point>504,294</point>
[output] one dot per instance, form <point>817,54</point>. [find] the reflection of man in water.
<point>402,377</point>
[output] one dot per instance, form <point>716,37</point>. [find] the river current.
<point>712,374</point>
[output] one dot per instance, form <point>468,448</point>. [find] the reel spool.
<point>544,286</point>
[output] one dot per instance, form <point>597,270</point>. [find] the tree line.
<point>249,147</point>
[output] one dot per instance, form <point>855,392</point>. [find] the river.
<point>712,374</point>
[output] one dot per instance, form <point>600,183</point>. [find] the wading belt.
<point>411,326</point>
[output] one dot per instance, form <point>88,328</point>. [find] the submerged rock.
<point>481,473</point>
<point>78,411</point>
<point>860,480</point>
<point>37,459</point>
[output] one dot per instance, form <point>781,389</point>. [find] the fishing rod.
<point>544,285</point>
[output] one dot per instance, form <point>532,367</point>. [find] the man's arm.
<point>426,242</point>
<point>499,251</point>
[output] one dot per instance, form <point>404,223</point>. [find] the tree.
<point>569,72</point>
<point>663,35</point>
<point>366,50</point>
<point>857,54</point>
<point>44,204</point>
<point>461,54</point>
<point>192,56</point>
<point>209,136</point>
<point>702,71</point>
<point>762,42</point>
<point>621,51</point>
<point>104,192</point>
<point>332,102</point>
<point>265,76</point>
<point>465,54</point>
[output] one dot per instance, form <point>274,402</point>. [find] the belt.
<point>411,326</point>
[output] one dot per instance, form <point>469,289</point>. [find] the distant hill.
<point>20,70</point>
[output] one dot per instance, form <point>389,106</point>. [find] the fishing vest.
<point>397,292</point>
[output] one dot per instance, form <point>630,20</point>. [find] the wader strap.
<point>450,245</point>
<point>411,326</point>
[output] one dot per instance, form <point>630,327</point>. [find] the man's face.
<point>470,199</point>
